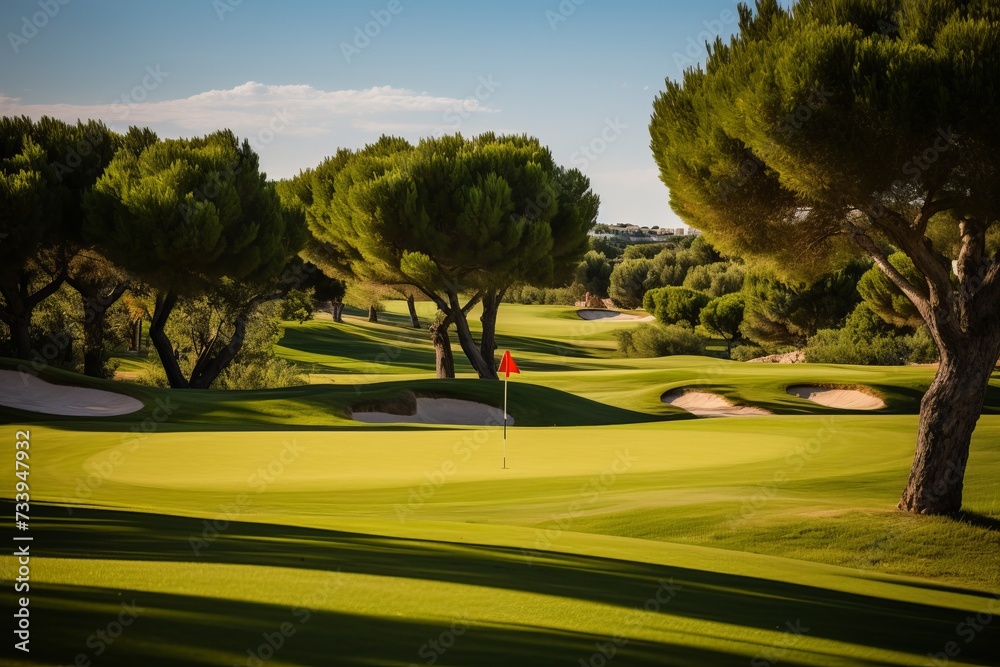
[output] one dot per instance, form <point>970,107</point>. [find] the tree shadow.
<point>170,630</point>
<point>746,601</point>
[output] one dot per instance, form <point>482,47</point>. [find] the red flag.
<point>508,365</point>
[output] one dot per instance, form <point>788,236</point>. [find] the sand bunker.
<point>441,411</point>
<point>843,399</point>
<point>612,316</point>
<point>27,392</point>
<point>705,404</point>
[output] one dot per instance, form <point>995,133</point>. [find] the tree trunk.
<point>412,307</point>
<point>135,344</point>
<point>20,334</point>
<point>444,360</point>
<point>338,312</point>
<point>208,368</point>
<point>93,344</point>
<point>372,313</point>
<point>488,343</point>
<point>96,301</point>
<point>485,370</point>
<point>20,303</point>
<point>164,305</point>
<point>948,415</point>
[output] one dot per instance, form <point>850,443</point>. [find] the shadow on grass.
<point>176,630</point>
<point>752,602</point>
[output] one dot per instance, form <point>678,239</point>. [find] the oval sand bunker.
<point>705,404</point>
<point>27,392</point>
<point>842,399</point>
<point>441,411</point>
<point>612,316</point>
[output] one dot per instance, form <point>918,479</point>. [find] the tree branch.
<point>930,209</point>
<point>865,242</point>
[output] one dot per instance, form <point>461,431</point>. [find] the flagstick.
<point>505,423</point>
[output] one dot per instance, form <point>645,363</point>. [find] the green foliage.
<point>780,312</point>
<point>883,297</point>
<point>185,212</point>
<point>549,296</point>
<point>643,250</point>
<point>716,279</point>
<point>867,339</point>
<point>839,114</point>
<point>297,306</point>
<point>673,305</point>
<point>607,248</point>
<point>746,352</point>
<point>723,316</point>
<point>628,282</point>
<point>593,274</point>
<point>653,340</point>
<point>206,321</point>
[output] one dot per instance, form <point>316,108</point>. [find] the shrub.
<point>673,305</point>
<point>867,339</point>
<point>653,340</point>
<point>628,282</point>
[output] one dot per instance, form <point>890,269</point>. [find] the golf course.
<point>252,527</point>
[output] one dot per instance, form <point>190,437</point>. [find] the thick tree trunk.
<point>164,305</point>
<point>412,307</point>
<point>488,343</point>
<point>948,415</point>
<point>20,303</point>
<point>208,368</point>
<point>20,335</point>
<point>338,312</point>
<point>485,370</point>
<point>372,313</point>
<point>444,360</point>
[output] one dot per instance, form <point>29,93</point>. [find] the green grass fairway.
<point>267,528</point>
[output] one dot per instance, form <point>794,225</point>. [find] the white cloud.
<point>252,107</point>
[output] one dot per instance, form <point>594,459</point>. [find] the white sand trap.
<point>612,316</point>
<point>27,392</point>
<point>705,404</point>
<point>441,411</point>
<point>842,399</point>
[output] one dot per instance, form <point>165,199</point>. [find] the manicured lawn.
<point>266,527</point>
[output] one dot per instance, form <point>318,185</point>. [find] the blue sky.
<point>301,78</point>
